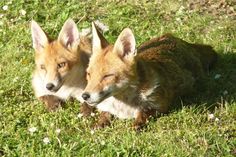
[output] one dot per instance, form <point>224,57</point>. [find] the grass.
<point>186,131</point>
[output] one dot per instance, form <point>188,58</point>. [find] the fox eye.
<point>108,76</point>
<point>42,66</point>
<point>88,74</point>
<point>61,65</point>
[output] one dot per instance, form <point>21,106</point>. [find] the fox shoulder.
<point>156,48</point>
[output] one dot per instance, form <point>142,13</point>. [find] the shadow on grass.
<point>218,87</point>
<point>1,153</point>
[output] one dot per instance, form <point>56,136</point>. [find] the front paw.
<point>101,124</point>
<point>52,103</point>
<point>103,121</point>
<point>139,126</point>
<point>86,110</point>
<point>140,121</point>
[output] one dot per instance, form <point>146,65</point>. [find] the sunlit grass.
<point>204,125</point>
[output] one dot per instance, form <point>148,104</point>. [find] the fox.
<point>138,83</point>
<point>59,73</point>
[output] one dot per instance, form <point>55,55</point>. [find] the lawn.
<point>204,124</point>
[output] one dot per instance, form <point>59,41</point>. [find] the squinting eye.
<point>42,66</point>
<point>61,65</point>
<point>107,76</point>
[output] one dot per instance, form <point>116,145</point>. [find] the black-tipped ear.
<point>99,42</point>
<point>125,44</point>
<point>69,35</point>
<point>39,38</point>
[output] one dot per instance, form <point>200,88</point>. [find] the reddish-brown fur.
<point>163,69</point>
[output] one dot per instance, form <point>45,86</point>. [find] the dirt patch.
<point>216,8</point>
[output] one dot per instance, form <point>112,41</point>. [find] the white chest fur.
<point>117,108</point>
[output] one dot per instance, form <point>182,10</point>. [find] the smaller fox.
<point>60,65</point>
<point>145,81</point>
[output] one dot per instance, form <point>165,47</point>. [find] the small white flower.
<point>58,131</point>
<point>225,92</point>
<point>178,19</point>
<point>46,140</point>
<point>80,115</point>
<point>1,16</point>
<point>16,79</point>
<point>32,130</point>
<point>216,119</point>
<point>217,76</point>
<point>103,143</point>
<point>92,132</point>
<point>92,114</point>
<point>22,12</point>
<point>211,116</point>
<point>5,7</point>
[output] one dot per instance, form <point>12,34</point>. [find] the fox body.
<point>146,80</point>
<point>60,64</point>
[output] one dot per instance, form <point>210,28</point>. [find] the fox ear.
<point>99,42</point>
<point>125,44</point>
<point>69,35</point>
<point>40,39</point>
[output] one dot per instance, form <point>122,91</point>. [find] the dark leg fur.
<point>141,119</point>
<point>103,120</point>
<point>86,109</point>
<point>51,102</point>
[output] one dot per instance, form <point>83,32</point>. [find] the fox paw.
<point>100,125</point>
<point>139,126</point>
<point>86,110</point>
<point>52,103</point>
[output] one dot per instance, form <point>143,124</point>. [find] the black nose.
<point>50,86</point>
<point>85,96</point>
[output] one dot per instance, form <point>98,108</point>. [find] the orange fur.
<point>147,80</point>
<point>60,64</point>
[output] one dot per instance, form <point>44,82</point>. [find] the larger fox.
<point>60,65</point>
<point>145,81</point>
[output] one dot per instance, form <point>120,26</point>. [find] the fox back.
<point>178,63</point>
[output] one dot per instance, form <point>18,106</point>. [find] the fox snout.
<point>85,96</point>
<point>92,98</point>
<point>95,98</point>
<point>54,85</point>
<point>50,86</point>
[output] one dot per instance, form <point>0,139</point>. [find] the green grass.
<point>186,131</point>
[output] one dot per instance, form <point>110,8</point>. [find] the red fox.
<point>60,65</point>
<point>145,81</point>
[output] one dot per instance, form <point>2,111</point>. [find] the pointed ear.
<point>69,35</point>
<point>125,44</point>
<point>39,38</point>
<point>99,42</point>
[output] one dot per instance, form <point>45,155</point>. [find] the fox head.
<point>54,59</point>
<point>110,67</point>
